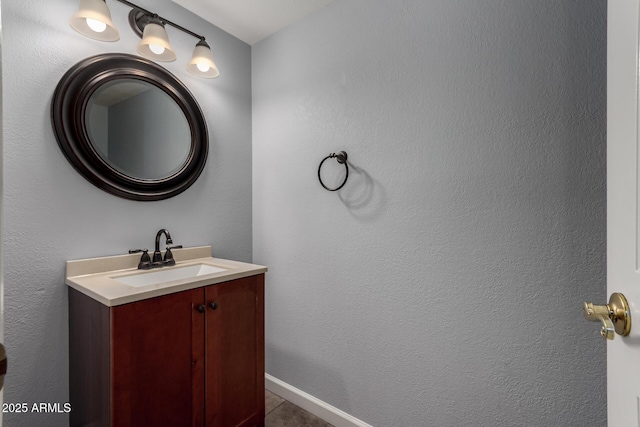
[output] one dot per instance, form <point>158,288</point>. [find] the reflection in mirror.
<point>137,129</point>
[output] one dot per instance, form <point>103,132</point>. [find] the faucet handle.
<point>145,259</point>
<point>168,255</point>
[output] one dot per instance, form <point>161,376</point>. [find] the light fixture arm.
<point>164,20</point>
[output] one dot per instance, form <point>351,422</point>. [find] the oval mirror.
<point>130,127</point>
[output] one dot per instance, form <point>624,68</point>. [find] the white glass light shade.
<point>89,17</point>
<point>155,43</point>
<point>201,63</point>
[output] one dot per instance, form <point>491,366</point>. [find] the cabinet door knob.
<point>213,305</point>
<point>201,308</point>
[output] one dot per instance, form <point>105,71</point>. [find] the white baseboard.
<point>317,407</point>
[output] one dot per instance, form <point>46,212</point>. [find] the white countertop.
<point>97,277</point>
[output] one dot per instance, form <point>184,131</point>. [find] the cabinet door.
<point>157,361</point>
<point>235,353</point>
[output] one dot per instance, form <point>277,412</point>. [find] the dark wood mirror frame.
<point>68,106</point>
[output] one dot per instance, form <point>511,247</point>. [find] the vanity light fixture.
<point>201,63</point>
<point>155,42</point>
<point>93,20</point>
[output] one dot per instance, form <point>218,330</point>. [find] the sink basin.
<point>156,277</point>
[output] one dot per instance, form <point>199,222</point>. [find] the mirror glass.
<point>137,129</point>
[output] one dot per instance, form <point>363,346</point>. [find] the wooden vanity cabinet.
<point>192,358</point>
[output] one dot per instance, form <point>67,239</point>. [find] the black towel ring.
<point>341,157</point>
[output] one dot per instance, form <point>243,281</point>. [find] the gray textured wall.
<point>443,285</point>
<point>52,214</point>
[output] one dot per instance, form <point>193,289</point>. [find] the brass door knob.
<point>615,316</point>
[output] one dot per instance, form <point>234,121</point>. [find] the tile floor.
<point>280,413</point>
